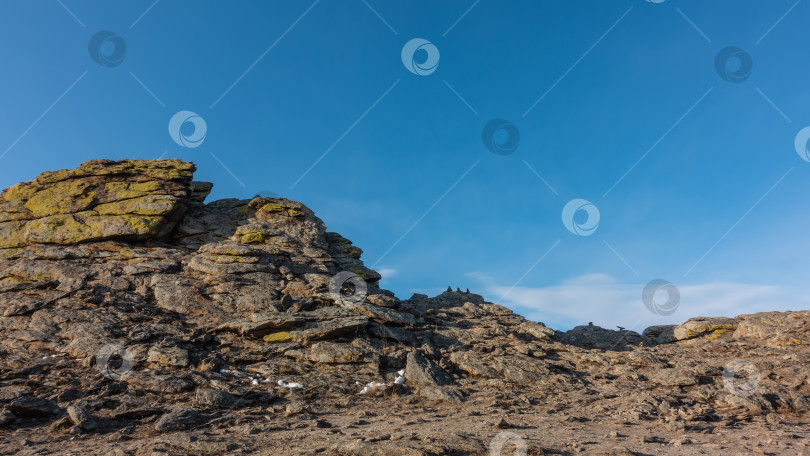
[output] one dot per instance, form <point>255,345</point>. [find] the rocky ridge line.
<point>220,308</point>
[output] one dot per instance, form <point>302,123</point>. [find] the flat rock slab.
<point>219,399</point>
<point>779,329</point>
<point>382,314</point>
<point>33,406</point>
<point>321,330</point>
<point>100,200</point>
<point>703,326</point>
<point>177,418</point>
<point>168,356</point>
<point>82,418</point>
<point>336,353</point>
<point>443,393</point>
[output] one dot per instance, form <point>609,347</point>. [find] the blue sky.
<point>713,197</point>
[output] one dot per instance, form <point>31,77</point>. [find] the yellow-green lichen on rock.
<point>61,198</point>
<point>253,237</point>
<point>712,328</point>
<point>277,337</point>
<point>279,206</point>
<point>143,170</point>
<point>283,209</point>
<point>11,234</point>
<point>100,200</point>
<point>145,205</point>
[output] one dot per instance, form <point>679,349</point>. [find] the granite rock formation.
<point>135,319</point>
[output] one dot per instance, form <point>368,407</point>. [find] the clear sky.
<point>684,147</point>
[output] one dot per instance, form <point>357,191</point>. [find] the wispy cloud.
<point>607,302</point>
<point>387,273</point>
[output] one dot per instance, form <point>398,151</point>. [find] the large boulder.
<point>132,200</point>
<point>705,327</point>
<point>777,329</point>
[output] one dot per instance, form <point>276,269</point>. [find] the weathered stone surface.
<point>159,382</point>
<point>382,314</point>
<point>444,393</point>
<point>421,371</point>
<point>473,364</point>
<point>177,418</point>
<point>99,200</point>
<point>6,417</point>
<point>673,377</point>
<point>778,329</point>
<point>660,334</point>
<point>705,327</point>
<point>263,324</point>
<point>33,406</point>
<point>376,449</point>
<point>82,418</point>
<point>591,336</point>
<point>537,330</point>
<point>335,353</point>
<point>215,398</point>
<point>192,444</point>
<point>168,356</point>
<point>232,313</point>
<point>321,330</point>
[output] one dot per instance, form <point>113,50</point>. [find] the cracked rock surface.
<point>137,320</point>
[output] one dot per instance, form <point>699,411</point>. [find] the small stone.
<point>444,393</point>
<point>773,419</point>
<point>502,424</point>
<point>68,395</point>
<point>296,408</point>
<point>6,417</point>
<point>81,417</point>
<point>178,418</point>
<point>322,424</point>
<point>33,406</point>
<point>680,442</point>
<point>220,399</point>
<point>676,426</point>
<point>168,356</point>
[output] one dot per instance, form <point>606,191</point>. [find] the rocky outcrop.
<point>779,329</point>
<point>705,327</point>
<point>100,200</point>
<point>153,323</point>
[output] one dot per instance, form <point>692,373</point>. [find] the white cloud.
<point>603,300</point>
<point>387,273</point>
